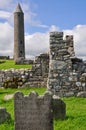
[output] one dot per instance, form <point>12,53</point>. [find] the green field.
<point>8,64</point>
<point>75,111</point>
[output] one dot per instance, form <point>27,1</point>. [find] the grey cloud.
<point>39,42</point>
<point>6,39</point>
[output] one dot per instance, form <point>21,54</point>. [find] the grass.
<point>76,115</point>
<point>75,111</point>
<point>8,64</point>
<point>10,104</point>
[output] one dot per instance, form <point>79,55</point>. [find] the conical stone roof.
<point>18,9</point>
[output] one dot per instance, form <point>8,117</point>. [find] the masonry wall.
<point>60,63</point>
<point>65,77</point>
<point>36,77</point>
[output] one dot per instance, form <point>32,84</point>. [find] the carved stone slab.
<point>33,112</point>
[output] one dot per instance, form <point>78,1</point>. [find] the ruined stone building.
<point>60,71</point>
<point>67,74</point>
<point>19,44</point>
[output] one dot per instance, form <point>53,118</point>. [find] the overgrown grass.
<point>75,107</point>
<point>10,104</point>
<point>76,115</point>
<point>8,64</point>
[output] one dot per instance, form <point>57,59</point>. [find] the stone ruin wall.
<point>36,77</point>
<point>60,63</point>
<point>67,74</point>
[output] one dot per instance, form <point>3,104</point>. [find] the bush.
<point>2,61</point>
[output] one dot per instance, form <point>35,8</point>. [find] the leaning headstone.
<point>4,115</point>
<point>33,112</point>
<point>59,108</point>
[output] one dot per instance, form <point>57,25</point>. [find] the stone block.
<point>33,112</point>
<point>59,108</point>
<point>69,94</point>
<point>4,115</point>
<point>82,94</point>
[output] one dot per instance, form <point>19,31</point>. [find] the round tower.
<point>19,45</point>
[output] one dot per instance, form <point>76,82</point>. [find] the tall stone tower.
<point>19,45</point>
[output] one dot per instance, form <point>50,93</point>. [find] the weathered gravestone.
<point>4,115</point>
<point>33,112</point>
<point>59,108</point>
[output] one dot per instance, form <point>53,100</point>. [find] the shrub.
<point>2,61</point>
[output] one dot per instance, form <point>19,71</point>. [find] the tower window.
<point>21,41</point>
<point>20,52</point>
<point>19,15</point>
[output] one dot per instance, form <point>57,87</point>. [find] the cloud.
<point>53,28</point>
<point>6,36</point>
<point>31,18</point>
<point>79,33</point>
<point>6,39</point>
<point>37,43</point>
<point>5,4</point>
<point>7,7</point>
<point>5,14</point>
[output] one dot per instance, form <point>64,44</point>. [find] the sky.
<point>40,18</point>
